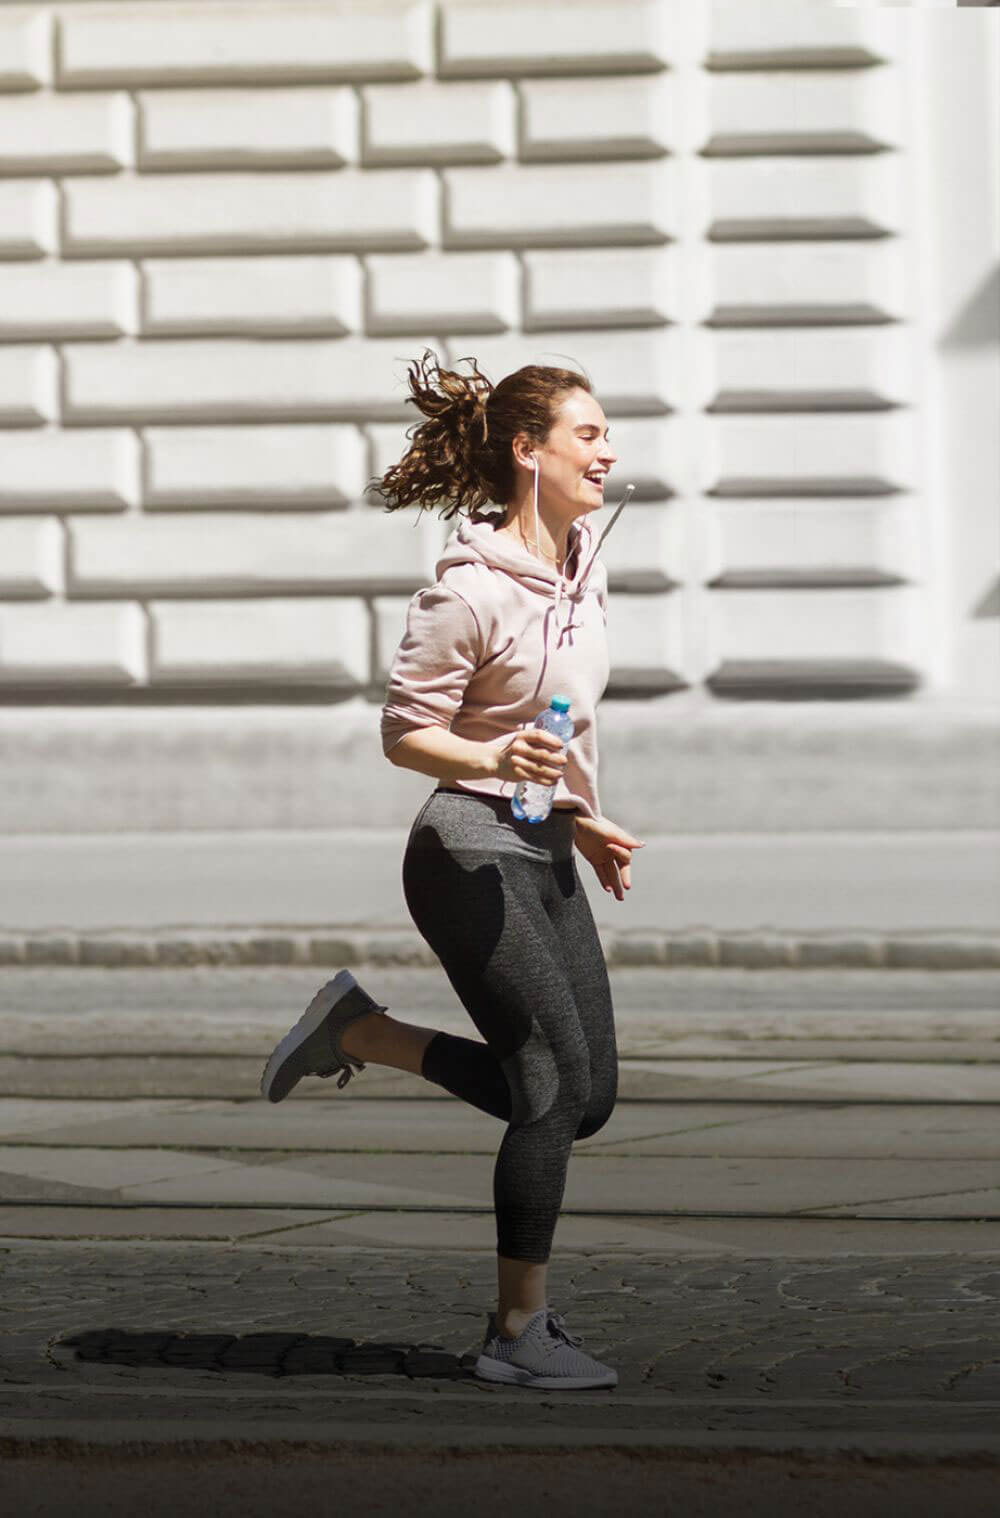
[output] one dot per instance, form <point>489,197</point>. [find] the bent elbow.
<point>395,749</point>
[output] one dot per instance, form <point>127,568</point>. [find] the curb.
<point>226,947</point>
<point>858,1447</point>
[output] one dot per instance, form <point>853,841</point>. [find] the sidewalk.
<point>787,1238</point>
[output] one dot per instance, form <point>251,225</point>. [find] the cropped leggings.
<point>502,905</point>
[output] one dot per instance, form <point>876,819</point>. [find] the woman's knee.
<point>546,1082</point>
<point>596,1113</point>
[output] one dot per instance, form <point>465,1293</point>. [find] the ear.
<point>524,450</point>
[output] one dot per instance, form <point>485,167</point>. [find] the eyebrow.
<point>591,427</point>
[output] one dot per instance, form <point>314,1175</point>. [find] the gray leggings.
<point>502,905</point>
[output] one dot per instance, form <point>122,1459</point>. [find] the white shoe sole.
<point>503,1372</point>
<point>326,997</point>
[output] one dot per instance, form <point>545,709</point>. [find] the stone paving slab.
<point>225,1225</point>
<point>465,1231</point>
<point>776,1131</point>
<point>662,1033</point>
<point>649,1080</point>
<point>597,1183</point>
<point>874,1344</point>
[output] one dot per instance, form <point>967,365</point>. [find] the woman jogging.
<point>518,614</point>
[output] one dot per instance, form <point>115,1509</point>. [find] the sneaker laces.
<point>342,1060</point>
<point>346,1071</point>
<point>556,1325</point>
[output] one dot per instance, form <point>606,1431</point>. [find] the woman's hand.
<point>533,755</point>
<point>609,849</point>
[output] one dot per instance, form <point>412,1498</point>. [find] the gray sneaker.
<point>546,1354</point>
<point>313,1046</point>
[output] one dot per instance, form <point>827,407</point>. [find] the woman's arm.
<point>444,755</point>
<point>530,754</point>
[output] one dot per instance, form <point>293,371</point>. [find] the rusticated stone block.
<point>29,218</point>
<point>344,210</point>
<point>943,953</point>
<point>283,466</point>
<point>209,43</point>
<point>396,949</point>
<point>60,643</point>
<point>637,949</point>
<point>434,123</point>
<point>697,949</point>
<point>31,554</point>
<point>336,950</point>
<point>116,952</point>
<point>25,48</point>
<point>29,385</point>
<point>66,134</point>
<point>851,953</point>
<point>85,469</point>
<point>302,128</point>
<point>560,205</point>
<point>45,300</point>
<point>316,639</point>
<point>550,39</point>
<point>760,952</point>
<point>52,949</point>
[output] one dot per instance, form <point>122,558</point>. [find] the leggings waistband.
<point>475,820</point>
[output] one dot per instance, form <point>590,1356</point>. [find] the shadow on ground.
<point>267,1354</point>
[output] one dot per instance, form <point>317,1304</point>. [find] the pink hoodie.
<point>488,646</point>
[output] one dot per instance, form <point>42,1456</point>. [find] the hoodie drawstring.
<point>578,593</point>
<point>581,586</point>
<point>629,492</point>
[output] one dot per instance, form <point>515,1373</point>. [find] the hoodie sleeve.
<point>440,651</point>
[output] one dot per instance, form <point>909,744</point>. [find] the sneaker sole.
<point>501,1371</point>
<point>326,997</point>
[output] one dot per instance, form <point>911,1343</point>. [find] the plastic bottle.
<point>532,802</point>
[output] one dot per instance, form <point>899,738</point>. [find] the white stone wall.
<point>224,227</point>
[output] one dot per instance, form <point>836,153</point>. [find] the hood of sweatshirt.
<point>475,540</point>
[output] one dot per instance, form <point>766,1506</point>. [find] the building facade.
<point>769,234</point>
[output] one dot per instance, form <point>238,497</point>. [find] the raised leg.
<point>378,1039</point>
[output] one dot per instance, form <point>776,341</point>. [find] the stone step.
<point>678,1012</point>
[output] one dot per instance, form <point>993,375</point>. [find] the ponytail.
<point>460,456</point>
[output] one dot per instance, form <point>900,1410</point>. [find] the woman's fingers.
<point>545,759</point>
<point>535,756</point>
<point>549,751</point>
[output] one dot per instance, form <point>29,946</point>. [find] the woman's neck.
<point>520,525</point>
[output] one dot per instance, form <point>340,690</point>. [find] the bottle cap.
<point>560,703</point>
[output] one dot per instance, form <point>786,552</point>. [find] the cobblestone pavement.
<point>273,1343</point>
<point>788,1238</point>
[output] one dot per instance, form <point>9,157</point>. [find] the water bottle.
<point>531,802</point>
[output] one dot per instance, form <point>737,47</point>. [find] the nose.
<point>607,454</point>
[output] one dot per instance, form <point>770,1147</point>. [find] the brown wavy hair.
<point>460,456</point>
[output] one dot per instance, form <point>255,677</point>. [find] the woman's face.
<point>575,456</point>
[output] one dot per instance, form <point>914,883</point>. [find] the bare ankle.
<point>378,1039</point>
<point>360,1038</point>
<point>511,1324</point>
